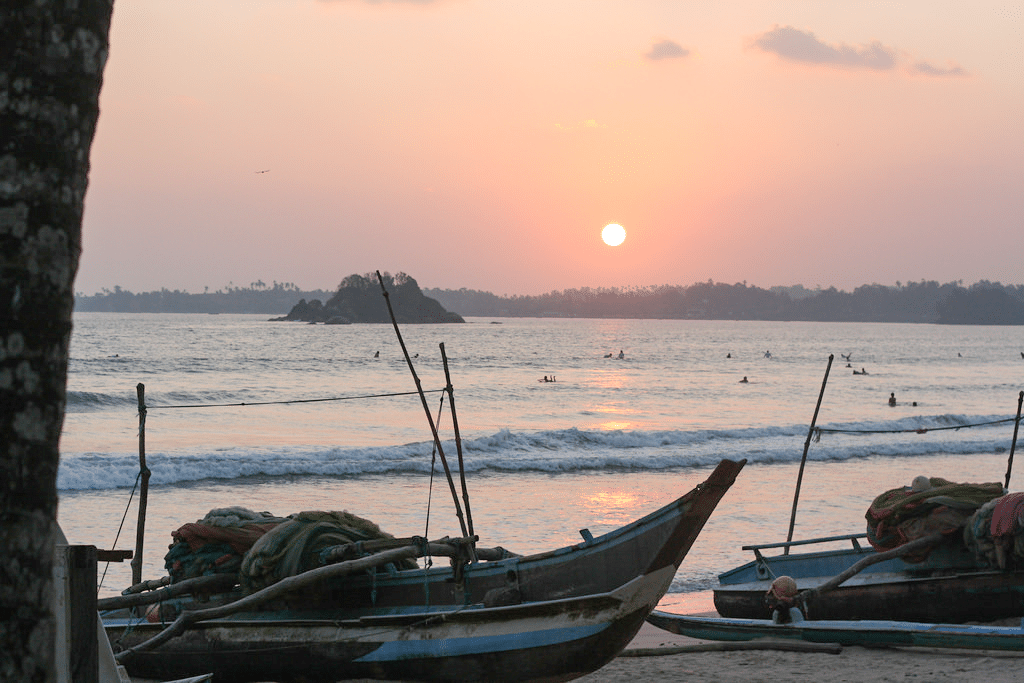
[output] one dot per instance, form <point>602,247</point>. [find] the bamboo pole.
<point>803,460</point>
<point>1013,444</point>
<point>140,528</point>
<point>458,437</point>
<point>426,408</point>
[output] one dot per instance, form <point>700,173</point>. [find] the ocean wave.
<point>86,401</point>
<point>553,451</point>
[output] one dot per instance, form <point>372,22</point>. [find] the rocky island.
<point>359,300</point>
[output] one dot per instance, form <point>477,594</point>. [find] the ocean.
<point>285,417</point>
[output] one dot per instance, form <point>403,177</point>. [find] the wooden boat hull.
<point>869,633</point>
<point>948,587</point>
<point>548,641</point>
<point>558,615</point>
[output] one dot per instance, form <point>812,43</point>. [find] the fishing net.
<point>216,543</point>
<point>295,546</point>
<point>261,548</point>
<point>929,505</point>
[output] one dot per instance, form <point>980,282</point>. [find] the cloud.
<point>926,69</point>
<point>802,46</point>
<point>667,49</point>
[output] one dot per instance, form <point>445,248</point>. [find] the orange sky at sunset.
<point>485,144</point>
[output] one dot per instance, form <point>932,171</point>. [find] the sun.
<point>613,234</point>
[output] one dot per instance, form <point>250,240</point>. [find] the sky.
<point>485,143</point>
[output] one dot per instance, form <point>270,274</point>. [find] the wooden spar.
<point>803,460</point>
<point>426,408</point>
<point>1013,444</point>
<point>447,547</point>
<point>140,528</point>
<point>916,545</point>
<point>162,589</point>
<point>458,437</point>
<point>158,590</point>
<point>283,587</point>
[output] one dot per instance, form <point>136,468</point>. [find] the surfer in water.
<point>744,380</point>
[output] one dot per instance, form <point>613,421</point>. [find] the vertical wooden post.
<point>140,528</point>
<point>458,438</point>
<point>81,577</point>
<point>803,460</point>
<point>1013,444</point>
<point>426,408</point>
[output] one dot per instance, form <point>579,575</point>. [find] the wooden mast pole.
<point>426,408</point>
<point>803,460</point>
<point>140,528</point>
<point>1013,444</point>
<point>458,438</point>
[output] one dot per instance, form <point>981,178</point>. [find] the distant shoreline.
<point>983,303</point>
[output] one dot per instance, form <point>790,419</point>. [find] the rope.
<point>917,430</point>
<point>118,535</point>
<point>297,400</point>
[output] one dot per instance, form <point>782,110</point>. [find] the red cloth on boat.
<point>240,538</point>
<point>1007,514</point>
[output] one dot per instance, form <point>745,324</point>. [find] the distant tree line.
<point>258,297</point>
<point>983,303</point>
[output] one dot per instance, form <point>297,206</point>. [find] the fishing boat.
<point>950,585</point>
<point>362,613</point>
<point>551,616</point>
<point>914,564</point>
<point>867,633</point>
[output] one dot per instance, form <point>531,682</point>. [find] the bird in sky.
<point>266,171</point>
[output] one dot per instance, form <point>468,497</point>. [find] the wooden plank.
<point>113,555</point>
<point>84,655</point>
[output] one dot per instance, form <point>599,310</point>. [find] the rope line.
<point>916,430</point>
<point>119,528</point>
<point>297,400</point>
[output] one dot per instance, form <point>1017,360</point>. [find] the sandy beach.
<point>850,665</point>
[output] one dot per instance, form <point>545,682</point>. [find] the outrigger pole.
<point>1013,444</point>
<point>426,408</point>
<point>803,460</point>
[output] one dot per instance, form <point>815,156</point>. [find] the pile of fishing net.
<point>260,547</point>
<point>996,532</point>
<point>296,545</point>
<point>927,506</point>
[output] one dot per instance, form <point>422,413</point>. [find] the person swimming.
<point>621,354</point>
<point>744,380</point>
<point>892,398</point>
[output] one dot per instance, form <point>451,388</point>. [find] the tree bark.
<point>52,54</point>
